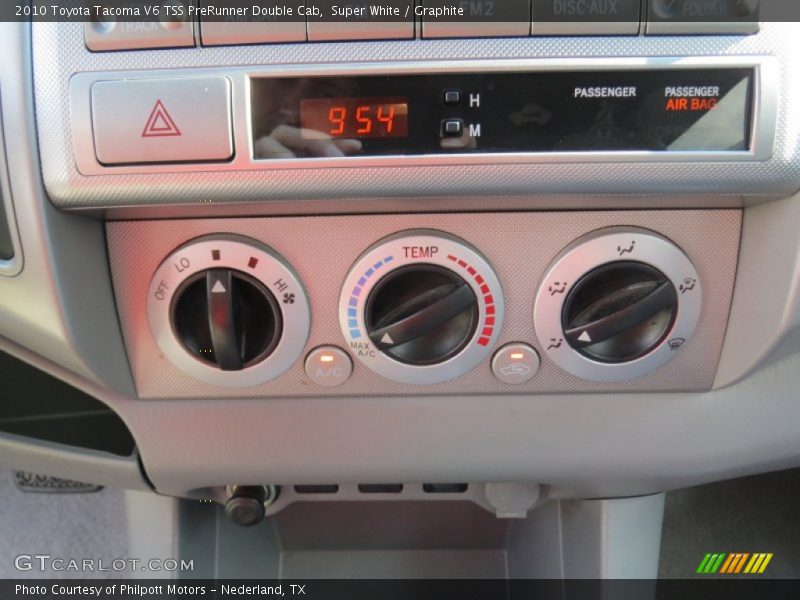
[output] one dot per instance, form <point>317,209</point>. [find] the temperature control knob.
<point>421,307</point>
<point>228,311</point>
<point>421,314</point>
<point>617,304</point>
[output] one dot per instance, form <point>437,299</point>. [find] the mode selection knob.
<point>617,304</point>
<point>619,311</point>
<point>421,307</point>
<point>229,311</point>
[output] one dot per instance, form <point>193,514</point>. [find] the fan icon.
<point>288,298</point>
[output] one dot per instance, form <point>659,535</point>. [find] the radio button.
<point>220,33</point>
<point>336,31</point>
<point>101,36</point>
<point>511,18</point>
<point>702,16</point>
<point>348,21</point>
<point>162,120</point>
<point>556,17</point>
<point>267,25</point>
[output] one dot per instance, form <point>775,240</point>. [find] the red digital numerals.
<point>356,117</point>
<point>367,119</point>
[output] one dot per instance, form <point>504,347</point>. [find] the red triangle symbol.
<point>160,123</point>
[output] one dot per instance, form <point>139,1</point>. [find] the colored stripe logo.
<point>734,563</point>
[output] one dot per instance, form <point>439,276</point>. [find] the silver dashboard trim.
<point>764,117</point>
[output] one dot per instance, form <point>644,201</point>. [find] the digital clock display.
<point>354,118</point>
<point>504,112</point>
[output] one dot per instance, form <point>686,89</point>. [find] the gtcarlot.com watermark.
<point>46,562</point>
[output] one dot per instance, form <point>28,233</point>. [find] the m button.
<point>162,120</point>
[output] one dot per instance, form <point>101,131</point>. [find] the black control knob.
<point>226,318</point>
<point>421,314</point>
<point>619,311</point>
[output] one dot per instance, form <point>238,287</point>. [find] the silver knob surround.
<point>256,262</point>
<point>459,303</point>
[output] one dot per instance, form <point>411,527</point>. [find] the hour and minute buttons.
<point>461,128</point>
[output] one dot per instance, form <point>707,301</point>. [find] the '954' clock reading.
<point>354,118</point>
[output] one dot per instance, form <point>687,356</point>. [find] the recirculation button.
<point>515,363</point>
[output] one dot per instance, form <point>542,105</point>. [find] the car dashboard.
<point>517,265</point>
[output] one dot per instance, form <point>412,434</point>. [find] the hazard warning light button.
<point>162,120</point>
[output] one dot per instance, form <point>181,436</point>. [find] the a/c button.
<point>162,120</point>
<point>328,366</point>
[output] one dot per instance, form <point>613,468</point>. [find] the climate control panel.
<point>483,303</point>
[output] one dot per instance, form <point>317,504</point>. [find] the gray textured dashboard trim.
<point>61,304</point>
<point>58,460</point>
<point>765,312</point>
<point>603,445</point>
<point>59,53</point>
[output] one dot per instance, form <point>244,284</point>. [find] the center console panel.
<point>335,264</point>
